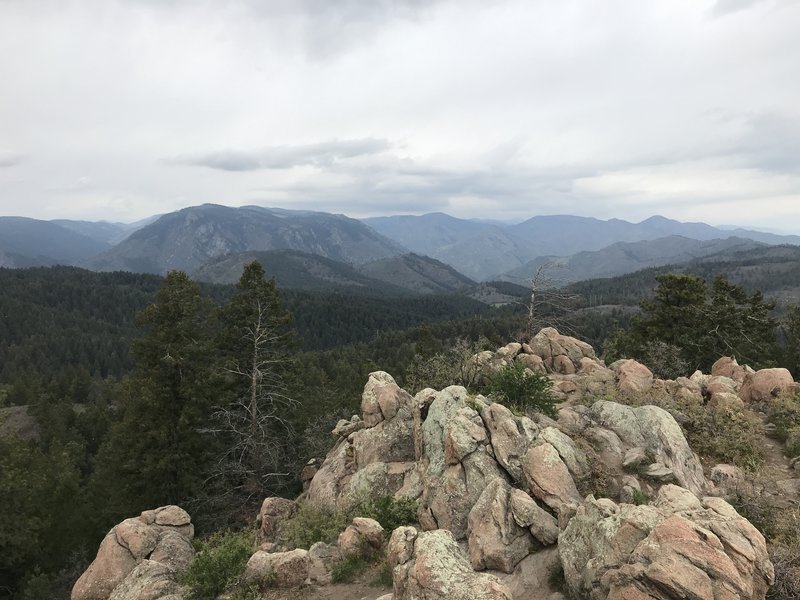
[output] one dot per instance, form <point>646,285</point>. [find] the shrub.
<point>219,564</point>
<point>784,413</point>
<point>665,360</point>
<point>730,436</point>
<point>514,385</point>
<point>389,511</point>
<point>454,366</point>
<point>350,567</point>
<point>311,524</point>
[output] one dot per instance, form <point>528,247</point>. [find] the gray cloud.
<point>726,7</point>
<point>323,154</point>
<point>9,160</point>
<point>494,109</point>
<point>771,141</point>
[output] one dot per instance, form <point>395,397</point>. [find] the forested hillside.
<point>130,388</point>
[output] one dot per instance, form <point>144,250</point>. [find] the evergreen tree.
<point>703,323</point>
<point>159,452</point>
<point>791,332</point>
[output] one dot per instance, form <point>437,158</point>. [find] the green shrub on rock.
<point>219,565</point>
<point>513,385</point>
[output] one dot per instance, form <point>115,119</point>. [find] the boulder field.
<point>609,497</point>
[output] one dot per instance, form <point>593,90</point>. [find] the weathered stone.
<point>548,478</point>
<point>660,472</point>
<point>160,537</point>
<point>344,428</point>
<point>542,525</point>
<point>381,398</point>
<point>532,362</point>
<point>572,456</point>
<point>278,569</point>
<point>322,558</point>
<point>656,431</point>
<point>149,580</point>
<point>496,540</point>
<point>432,566</point>
<point>173,550</point>
<point>362,537</point>
<point>728,367</point>
<point>273,511</point>
<point>633,378</point>
<point>677,547</point>
<point>531,579</point>
<point>107,571</point>
<point>562,364</point>
<point>765,384</point>
<point>510,437</point>
<point>509,351</point>
<point>450,490</point>
<point>333,476</point>
<point>634,457</point>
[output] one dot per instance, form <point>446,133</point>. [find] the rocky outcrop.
<point>678,547</point>
<point>766,384</point>
<point>506,485</point>
<point>430,565</point>
<point>363,537</point>
<point>140,558</point>
<point>633,378</point>
<point>278,569</point>
<point>457,463</point>
<point>273,511</point>
<point>657,433</point>
<point>374,456</point>
<point>727,366</point>
<point>560,353</point>
<point>497,540</point>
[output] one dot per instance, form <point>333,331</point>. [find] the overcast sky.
<point>120,109</point>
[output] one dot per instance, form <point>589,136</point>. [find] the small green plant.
<point>350,567</point>
<point>513,385</point>
<point>313,523</point>
<point>639,497</point>
<point>218,566</point>
<point>383,578</point>
<point>389,511</point>
<point>731,436</point>
<point>784,413</point>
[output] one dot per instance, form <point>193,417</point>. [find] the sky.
<point>493,109</point>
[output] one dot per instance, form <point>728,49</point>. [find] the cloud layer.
<point>504,109</point>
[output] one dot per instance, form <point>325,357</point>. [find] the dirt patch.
<point>17,421</point>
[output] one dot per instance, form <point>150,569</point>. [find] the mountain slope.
<point>189,238</point>
<point>476,249</point>
<point>292,270</point>
<point>418,274</point>
<point>626,257</point>
<point>28,242</point>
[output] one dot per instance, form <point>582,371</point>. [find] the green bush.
<point>389,511</point>
<point>513,385</point>
<point>350,567</point>
<point>730,436</point>
<point>784,413</point>
<point>219,564</point>
<point>313,523</point>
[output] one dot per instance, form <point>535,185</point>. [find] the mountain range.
<point>432,253</point>
<point>484,250</point>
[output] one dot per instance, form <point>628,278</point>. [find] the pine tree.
<point>160,450</point>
